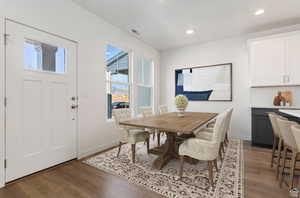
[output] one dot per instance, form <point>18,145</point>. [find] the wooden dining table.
<point>172,125</point>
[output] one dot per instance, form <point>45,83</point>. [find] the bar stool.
<point>296,132</point>
<point>289,145</point>
<point>277,141</point>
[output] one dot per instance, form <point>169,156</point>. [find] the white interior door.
<point>41,100</point>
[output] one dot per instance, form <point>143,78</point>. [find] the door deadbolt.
<point>74,106</point>
<point>74,98</point>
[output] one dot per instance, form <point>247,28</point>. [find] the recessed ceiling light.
<point>189,32</point>
<point>259,12</point>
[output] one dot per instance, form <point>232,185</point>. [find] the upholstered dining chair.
<point>131,135</point>
<point>210,125</point>
<point>147,112</point>
<point>205,150</point>
<point>163,109</point>
<point>277,140</point>
<point>227,127</point>
<point>289,145</point>
<point>207,133</point>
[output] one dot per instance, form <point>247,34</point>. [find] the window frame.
<point>137,84</point>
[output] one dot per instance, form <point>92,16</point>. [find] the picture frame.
<point>205,83</point>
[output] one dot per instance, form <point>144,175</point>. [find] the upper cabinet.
<point>293,59</point>
<point>275,61</point>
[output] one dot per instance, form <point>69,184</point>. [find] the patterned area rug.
<point>194,184</point>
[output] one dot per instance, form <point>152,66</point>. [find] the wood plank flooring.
<point>75,179</point>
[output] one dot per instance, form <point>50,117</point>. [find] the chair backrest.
<point>286,132</point>
<point>121,115</point>
<point>273,118</point>
<point>296,132</point>
<point>227,122</point>
<point>146,111</point>
<point>219,127</point>
<point>163,109</point>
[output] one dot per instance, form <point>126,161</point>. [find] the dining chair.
<point>225,140</point>
<point>204,150</point>
<point>207,133</point>
<point>163,109</point>
<point>131,135</point>
<point>147,112</point>
<point>289,145</point>
<point>277,140</point>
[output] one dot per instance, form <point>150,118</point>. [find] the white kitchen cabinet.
<point>275,60</point>
<point>267,62</point>
<point>293,60</point>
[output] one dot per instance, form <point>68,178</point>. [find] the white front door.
<point>41,100</point>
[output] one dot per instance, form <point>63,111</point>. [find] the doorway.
<point>41,93</point>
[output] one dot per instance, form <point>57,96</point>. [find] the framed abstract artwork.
<point>205,83</point>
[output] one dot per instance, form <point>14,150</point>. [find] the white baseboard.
<point>97,149</point>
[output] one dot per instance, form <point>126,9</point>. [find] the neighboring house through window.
<point>117,76</point>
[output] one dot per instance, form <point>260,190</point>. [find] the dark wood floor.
<point>75,179</point>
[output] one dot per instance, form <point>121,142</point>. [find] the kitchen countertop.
<point>277,107</point>
<point>295,113</point>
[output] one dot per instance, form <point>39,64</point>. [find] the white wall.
<point>232,50</point>
<point>64,18</point>
<point>225,51</point>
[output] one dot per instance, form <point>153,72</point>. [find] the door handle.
<point>74,106</point>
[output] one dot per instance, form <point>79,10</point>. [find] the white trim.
<point>2,109</point>
<point>273,36</point>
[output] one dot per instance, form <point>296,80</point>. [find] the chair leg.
<point>148,145</point>
<point>119,150</point>
<point>220,154</point>
<point>216,165</point>
<point>181,166</point>
<point>292,169</point>
<point>222,147</point>
<point>282,168</point>
<point>225,143</point>
<point>278,157</point>
<point>273,150</point>
<point>226,137</point>
<point>158,138</point>
<point>133,152</point>
<point>210,173</point>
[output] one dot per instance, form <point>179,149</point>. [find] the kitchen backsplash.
<point>263,97</point>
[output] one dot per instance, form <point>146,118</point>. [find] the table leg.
<point>169,152</point>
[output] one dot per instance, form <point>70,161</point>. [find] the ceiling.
<point>162,23</point>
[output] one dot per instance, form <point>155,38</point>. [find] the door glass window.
<point>43,57</point>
